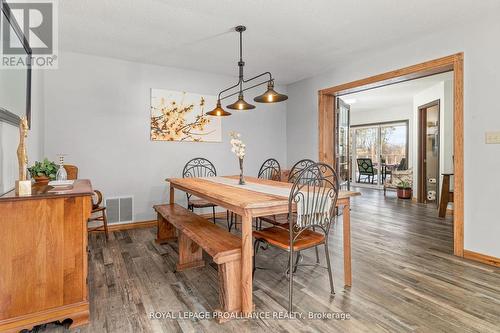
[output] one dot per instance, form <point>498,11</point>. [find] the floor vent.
<point>119,209</point>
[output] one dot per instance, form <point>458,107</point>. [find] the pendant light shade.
<point>270,96</point>
<point>241,104</point>
<point>219,111</point>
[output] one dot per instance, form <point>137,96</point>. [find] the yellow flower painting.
<point>181,116</point>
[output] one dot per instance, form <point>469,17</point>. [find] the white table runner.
<point>267,189</point>
<point>320,209</point>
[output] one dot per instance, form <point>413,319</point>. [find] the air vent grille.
<point>119,209</point>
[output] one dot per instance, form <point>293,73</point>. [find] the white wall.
<point>9,135</point>
<point>442,91</point>
<point>478,40</point>
<point>395,113</point>
<point>97,112</point>
<point>37,131</point>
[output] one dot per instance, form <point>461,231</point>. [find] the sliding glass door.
<point>378,149</point>
<point>342,148</point>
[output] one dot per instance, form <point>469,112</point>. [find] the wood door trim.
<point>455,63</point>
<point>422,148</point>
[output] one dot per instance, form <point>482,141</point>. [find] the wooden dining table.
<point>249,204</point>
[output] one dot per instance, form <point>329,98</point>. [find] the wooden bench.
<point>195,234</point>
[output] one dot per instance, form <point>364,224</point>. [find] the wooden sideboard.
<point>43,257</point>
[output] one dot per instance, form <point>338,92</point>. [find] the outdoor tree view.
<point>385,145</point>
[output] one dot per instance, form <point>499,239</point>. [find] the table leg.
<point>172,194</point>
<point>246,265</point>
<point>445,191</point>
<point>347,244</point>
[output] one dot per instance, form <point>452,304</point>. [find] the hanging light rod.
<point>270,96</point>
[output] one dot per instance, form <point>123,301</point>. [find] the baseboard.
<point>483,258</point>
<point>152,223</point>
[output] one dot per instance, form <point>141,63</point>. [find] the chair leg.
<point>228,222</point>
<point>256,244</point>
<point>316,250</point>
<point>105,223</point>
<point>258,224</point>
<point>328,264</point>
<point>213,213</point>
<point>290,282</point>
<point>297,259</point>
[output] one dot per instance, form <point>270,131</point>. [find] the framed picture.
<point>181,116</point>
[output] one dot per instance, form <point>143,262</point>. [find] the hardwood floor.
<point>405,279</point>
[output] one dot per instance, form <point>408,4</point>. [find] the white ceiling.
<point>400,94</point>
<point>294,39</point>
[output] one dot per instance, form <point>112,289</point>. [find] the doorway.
<point>428,153</point>
<point>327,122</point>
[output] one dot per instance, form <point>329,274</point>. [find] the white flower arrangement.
<point>237,146</point>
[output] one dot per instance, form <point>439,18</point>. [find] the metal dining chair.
<point>199,167</point>
<point>297,168</point>
<point>311,211</point>
<point>270,170</point>
<point>295,171</point>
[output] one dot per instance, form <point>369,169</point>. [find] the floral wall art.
<point>181,116</point>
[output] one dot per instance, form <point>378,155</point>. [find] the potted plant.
<point>43,172</point>
<point>404,190</point>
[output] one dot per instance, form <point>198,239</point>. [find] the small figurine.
<point>23,186</point>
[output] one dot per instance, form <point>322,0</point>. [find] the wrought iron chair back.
<point>198,167</point>
<point>312,200</point>
<point>270,170</point>
<point>298,168</point>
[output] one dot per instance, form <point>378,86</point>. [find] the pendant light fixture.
<point>241,104</point>
<point>270,96</point>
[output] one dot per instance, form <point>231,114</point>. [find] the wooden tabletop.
<point>250,204</point>
<point>81,187</point>
<point>239,196</point>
